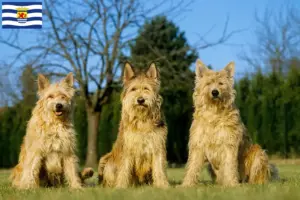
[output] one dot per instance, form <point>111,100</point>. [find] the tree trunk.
<point>93,127</point>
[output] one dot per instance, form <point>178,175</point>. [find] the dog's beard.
<point>138,109</point>
<point>216,99</point>
<point>209,99</point>
<point>222,100</point>
<point>140,106</point>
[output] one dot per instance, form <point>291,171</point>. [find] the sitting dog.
<point>139,153</point>
<point>218,135</point>
<point>47,156</point>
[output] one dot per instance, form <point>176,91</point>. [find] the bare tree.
<point>88,37</point>
<point>3,91</point>
<point>7,95</point>
<point>277,39</point>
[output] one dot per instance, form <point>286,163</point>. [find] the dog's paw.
<point>121,186</point>
<point>87,173</point>
<point>185,185</point>
<point>228,185</point>
<point>76,186</point>
<point>27,185</point>
<point>163,185</point>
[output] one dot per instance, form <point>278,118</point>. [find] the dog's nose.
<point>59,106</point>
<point>215,93</point>
<point>140,100</point>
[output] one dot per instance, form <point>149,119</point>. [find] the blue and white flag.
<point>22,15</point>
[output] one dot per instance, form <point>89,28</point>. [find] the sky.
<point>200,17</point>
<point>208,13</point>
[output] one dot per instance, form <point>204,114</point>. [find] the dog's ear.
<point>128,72</point>
<point>230,69</point>
<point>200,68</point>
<point>69,80</point>
<point>152,72</point>
<point>43,82</point>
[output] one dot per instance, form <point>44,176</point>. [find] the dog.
<point>138,155</point>
<point>218,135</point>
<point>47,156</point>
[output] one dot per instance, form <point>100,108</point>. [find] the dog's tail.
<point>86,173</point>
<point>17,171</point>
<point>15,176</point>
<point>257,166</point>
<point>102,162</point>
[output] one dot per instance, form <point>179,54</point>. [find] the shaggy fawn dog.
<point>218,135</point>
<point>47,156</point>
<point>139,153</point>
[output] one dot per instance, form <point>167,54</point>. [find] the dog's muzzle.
<point>141,100</point>
<point>215,93</point>
<point>58,109</point>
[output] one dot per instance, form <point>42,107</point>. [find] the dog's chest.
<point>216,138</point>
<point>211,133</point>
<point>59,139</point>
<point>141,145</point>
<point>54,163</point>
<point>214,135</point>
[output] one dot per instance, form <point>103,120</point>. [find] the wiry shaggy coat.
<point>217,134</point>
<point>47,156</point>
<point>139,153</point>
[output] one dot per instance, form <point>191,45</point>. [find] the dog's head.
<point>56,98</point>
<point>140,89</point>
<point>214,87</point>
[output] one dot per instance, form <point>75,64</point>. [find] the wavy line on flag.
<point>21,3</point>
<point>31,7</point>
<point>28,19</point>
<point>29,11</point>
<point>22,27</point>
<point>22,24</point>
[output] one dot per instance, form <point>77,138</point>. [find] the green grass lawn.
<point>288,188</point>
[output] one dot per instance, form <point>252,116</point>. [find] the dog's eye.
<point>50,96</point>
<point>145,88</point>
<point>220,83</point>
<point>63,97</point>
<point>133,89</point>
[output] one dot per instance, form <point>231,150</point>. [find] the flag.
<point>22,15</point>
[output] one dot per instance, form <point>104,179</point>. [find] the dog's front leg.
<point>31,170</point>
<point>70,171</point>
<point>195,162</point>
<point>229,171</point>
<point>159,170</point>
<point>124,173</point>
